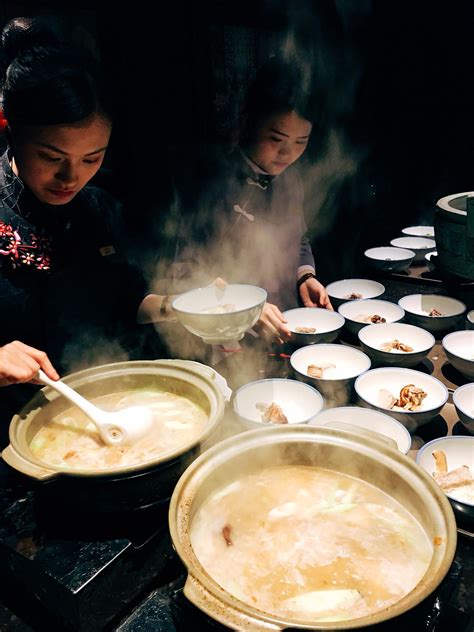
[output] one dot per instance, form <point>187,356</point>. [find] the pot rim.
<point>169,368</point>
<point>202,467</point>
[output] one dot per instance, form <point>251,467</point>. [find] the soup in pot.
<point>309,543</point>
<point>71,440</point>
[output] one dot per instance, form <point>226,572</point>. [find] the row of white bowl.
<point>302,403</point>
<point>412,247</point>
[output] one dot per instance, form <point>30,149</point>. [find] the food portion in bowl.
<point>321,370</point>
<point>219,309</point>
<point>395,345</point>
<point>370,319</point>
<point>272,413</point>
<point>410,398</point>
<point>281,530</point>
<point>458,482</point>
<point>71,441</point>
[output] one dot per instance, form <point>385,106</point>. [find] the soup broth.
<point>309,543</point>
<point>71,440</point>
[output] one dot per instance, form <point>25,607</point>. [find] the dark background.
<point>398,80</point>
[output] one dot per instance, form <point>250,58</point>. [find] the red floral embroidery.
<point>35,254</point>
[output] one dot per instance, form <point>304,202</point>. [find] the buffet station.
<point>323,484</point>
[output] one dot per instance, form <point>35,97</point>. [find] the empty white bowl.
<point>430,259</point>
<point>327,324</point>
<point>419,245</point>
<point>372,337</point>
<point>340,291</point>
<point>354,311</point>
<point>337,382</point>
<point>463,400</point>
<point>459,451</point>
<point>419,306</point>
<point>389,258</point>
<point>470,320</point>
<point>419,231</point>
<point>368,386</point>
<point>299,402</point>
<point>370,420</point>
<point>459,349</point>
<point>246,303</point>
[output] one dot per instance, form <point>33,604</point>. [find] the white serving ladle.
<point>123,426</point>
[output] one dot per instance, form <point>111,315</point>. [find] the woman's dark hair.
<point>46,82</point>
<point>280,85</point>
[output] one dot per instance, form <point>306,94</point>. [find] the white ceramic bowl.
<point>299,402</point>
<point>459,349</point>
<point>368,419</point>
<point>352,310</point>
<point>418,307</point>
<point>217,328</point>
<point>463,400</point>
<point>339,291</point>
<point>327,324</point>
<point>389,258</point>
<point>368,386</point>
<point>470,320</point>
<point>459,450</point>
<point>419,245</point>
<point>337,382</point>
<point>372,337</point>
<point>430,259</point>
<point>419,231</point>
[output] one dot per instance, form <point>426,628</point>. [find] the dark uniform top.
<point>64,288</point>
<point>247,228</point>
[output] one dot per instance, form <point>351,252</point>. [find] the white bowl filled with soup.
<point>321,529</point>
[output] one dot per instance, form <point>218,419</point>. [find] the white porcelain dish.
<point>463,400</point>
<point>340,291</point>
<point>354,313</point>
<point>368,419</point>
<point>419,245</point>
<point>368,386</point>
<point>299,402</point>
<point>327,324</point>
<point>459,349</point>
<point>220,315</point>
<point>373,337</point>
<point>389,258</point>
<point>419,306</point>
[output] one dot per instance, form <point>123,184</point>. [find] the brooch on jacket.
<point>35,254</point>
<point>260,180</point>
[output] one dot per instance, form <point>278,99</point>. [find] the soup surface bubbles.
<point>308,543</point>
<point>71,440</point>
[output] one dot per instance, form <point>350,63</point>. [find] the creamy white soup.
<point>71,440</point>
<point>308,543</point>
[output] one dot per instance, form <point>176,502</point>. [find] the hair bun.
<point>21,34</point>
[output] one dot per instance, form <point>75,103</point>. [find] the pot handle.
<point>235,619</point>
<point>15,460</point>
<point>219,379</point>
<point>365,432</point>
